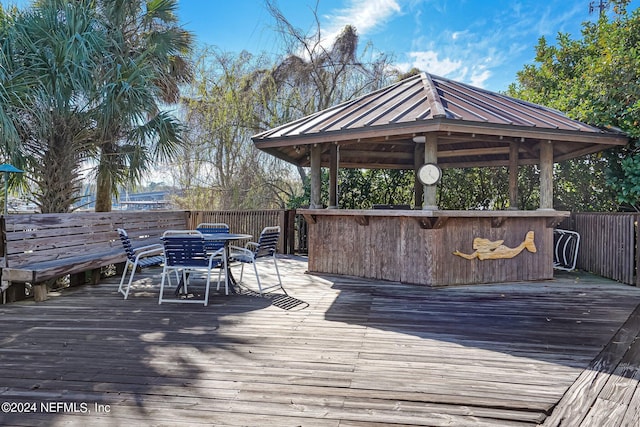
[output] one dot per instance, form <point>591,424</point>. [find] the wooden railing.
<point>137,223</point>
<point>252,222</point>
<point>607,244</point>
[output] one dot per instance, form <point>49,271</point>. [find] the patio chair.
<point>185,252</point>
<point>565,254</point>
<point>265,247</point>
<point>137,258</point>
<point>212,228</point>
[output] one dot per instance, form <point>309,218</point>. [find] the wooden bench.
<point>40,248</point>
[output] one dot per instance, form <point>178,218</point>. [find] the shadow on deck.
<point>337,352</point>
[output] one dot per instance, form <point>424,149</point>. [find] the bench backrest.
<point>33,238</point>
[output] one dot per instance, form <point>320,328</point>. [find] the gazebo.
<point>427,119</point>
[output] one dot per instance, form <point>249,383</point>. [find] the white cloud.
<point>480,50</point>
<point>365,15</point>
<point>479,77</point>
<point>429,61</point>
<point>459,34</point>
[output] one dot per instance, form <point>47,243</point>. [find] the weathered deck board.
<point>361,353</point>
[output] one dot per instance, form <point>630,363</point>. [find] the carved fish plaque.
<point>487,249</point>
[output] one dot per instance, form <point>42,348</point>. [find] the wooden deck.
<point>339,352</point>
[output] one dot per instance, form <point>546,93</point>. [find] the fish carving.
<point>487,249</point>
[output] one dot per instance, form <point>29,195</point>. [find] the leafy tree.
<point>85,81</point>
<point>595,79</point>
<point>219,166</point>
<point>144,64</point>
<point>313,76</point>
<point>49,52</point>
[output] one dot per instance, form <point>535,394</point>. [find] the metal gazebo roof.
<point>474,127</point>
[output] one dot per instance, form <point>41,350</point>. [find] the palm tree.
<point>48,53</point>
<point>143,68</point>
<point>84,80</point>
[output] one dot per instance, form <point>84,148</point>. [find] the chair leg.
<point>124,275</point>
<point>177,278</point>
<point>134,266</point>
<point>255,268</point>
<point>185,281</point>
<point>164,274</point>
<point>133,271</point>
<point>206,292</point>
<point>226,277</point>
<point>278,274</point>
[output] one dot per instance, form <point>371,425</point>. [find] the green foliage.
<point>49,53</point>
<point>474,188</point>
<point>363,188</point>
<point>595,79</point>
<point>83,80</point>
<point>219,166</point>
<point>143,64</point>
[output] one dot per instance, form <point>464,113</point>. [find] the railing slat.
<point>607,246</point>
<point>250,222</point>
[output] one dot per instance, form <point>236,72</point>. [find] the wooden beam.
<point>361,219</point>
<point>418,189</point>
<point>311,219</point>
<point>513,175</point>
<point>546,175</point>
<point>425,223</point>
<point>333,177</point>
<point>578,153</point>
<point>473,152</point>
<point>430,156</point>
<point>440,222</point>
<point>553,222</point>
<point>489,163</point>
<point>316,177</point>
<point>346,155</point>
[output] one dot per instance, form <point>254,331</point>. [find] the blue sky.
<point>480,42</point>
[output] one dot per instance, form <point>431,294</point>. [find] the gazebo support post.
<point>418,189</point>
<point>334,162</point>
<point>546,175</point>
<point>316,177</point>
<point>514,148</point>
<point>430,156</point>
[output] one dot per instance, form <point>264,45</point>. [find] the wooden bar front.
<point>417,246</point>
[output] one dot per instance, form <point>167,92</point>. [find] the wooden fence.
<point>252,222</point>
<point>608,244</point>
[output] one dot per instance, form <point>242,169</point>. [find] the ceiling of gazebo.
<point>474,128</point>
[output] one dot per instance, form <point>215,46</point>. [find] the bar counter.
<point>428,247</point>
